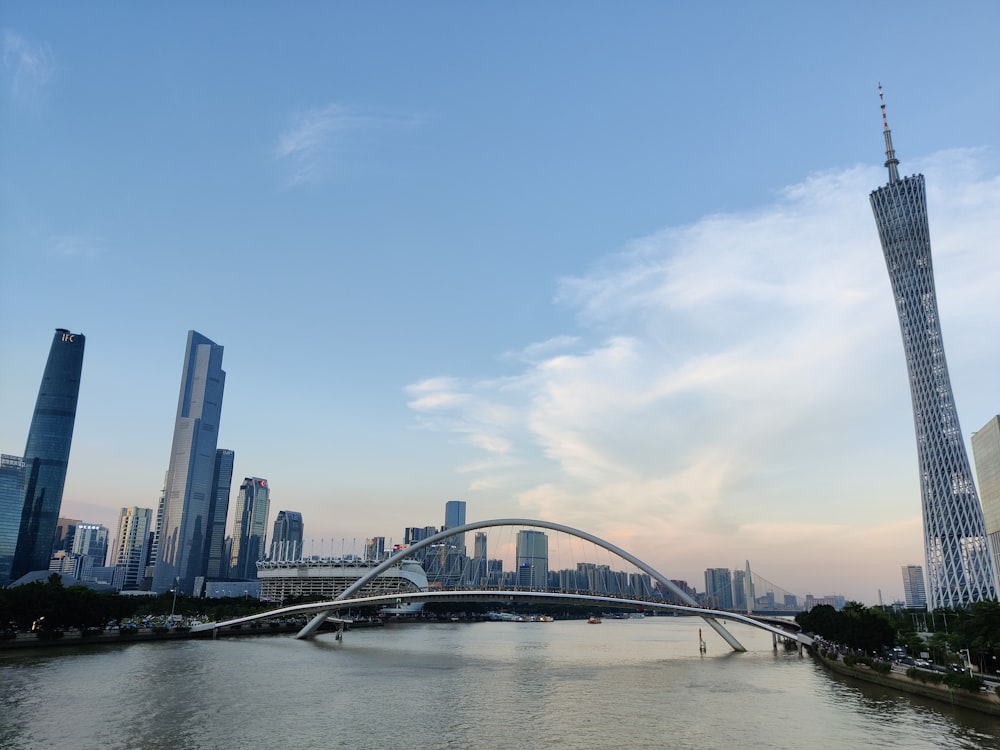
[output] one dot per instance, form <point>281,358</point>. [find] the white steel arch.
<point>310,629</point>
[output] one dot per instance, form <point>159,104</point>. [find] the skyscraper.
<point>216,565</point>
<point>91,539</point>
<point>913,587</point>
<point>130,549</point>
<point>986,451</point>
<point>719,586</point>
<point>249,527</point>
<point>454,516</point>
<point>286,538</point>
<point>532,561</point>
<point>46,455</point>
<point>11,504</point>
<point>186,520</point>
<point>958,565</point>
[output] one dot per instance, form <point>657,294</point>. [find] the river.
<point>566,685</point>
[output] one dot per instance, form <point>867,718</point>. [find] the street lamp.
<point>964,653</point>
<point>177,583</point>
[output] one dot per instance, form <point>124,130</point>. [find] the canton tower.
<point>959,570</point>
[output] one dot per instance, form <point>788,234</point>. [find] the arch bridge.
<point>351,599</point>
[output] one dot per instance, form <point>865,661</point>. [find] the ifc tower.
<point>959,567</point>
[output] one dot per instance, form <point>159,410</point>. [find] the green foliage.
<point>855,626</point>
<point>934,678</point>
<point>963,681</point>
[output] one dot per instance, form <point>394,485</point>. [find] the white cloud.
<point>28,66</point>
<point>308,149</point>
<point>738,384</point>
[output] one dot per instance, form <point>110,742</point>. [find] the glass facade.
<point>11,504</point>
<point>185,521</point>
<point>986,451</point>
<point>286,538</point>
<point>532,559</point>
<point>249,527</point>
<point>216,564</point>
<point>959,570</point>
<point>46,455</point>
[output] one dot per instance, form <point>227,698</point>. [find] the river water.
<point>567,684</point>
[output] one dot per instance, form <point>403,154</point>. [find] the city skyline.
<point>580,283</point>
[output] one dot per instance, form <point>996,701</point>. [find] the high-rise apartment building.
<point>186,520</point>
<point>913,587</point>
<point>11,504</point>
<point>959,570</point>
<point>532,559</point>
<point>286,537</point>
<point>46,455</point>
<point>216,565</point>
<point>986,453</point>
<point>130,548</point>
<point>249,527</point>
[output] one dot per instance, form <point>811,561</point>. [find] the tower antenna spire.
<point>890,155</point>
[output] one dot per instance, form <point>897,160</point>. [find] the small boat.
<point>593,620</point>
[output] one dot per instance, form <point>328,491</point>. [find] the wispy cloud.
<point>28,66</point>
<point>309,147</point>
<point>734,375</point>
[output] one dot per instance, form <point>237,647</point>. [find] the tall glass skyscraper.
<point>11,504</point>
<point>959,569</point>
<point>532,559</point>
<point>249,527</point>
<point>186,519</point>
<point>46,455</point>
<point>216,563</point>
<point>286,538</point>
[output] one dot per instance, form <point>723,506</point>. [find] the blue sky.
<point>613,267</point>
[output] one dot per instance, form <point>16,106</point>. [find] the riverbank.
<point>77,638</point>
<point>985,702</point>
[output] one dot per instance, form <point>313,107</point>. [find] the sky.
<point>611,266</point>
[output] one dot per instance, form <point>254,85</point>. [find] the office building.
<point>131,546</point>
<point>216,564</point>
<point>249,527</point>
<point>478,567</point>
<point>454,516</point>
<point>913,587</point>
<point>375,548</point>
<point>91,539</point>
<point>719,588</point>
<point>532,559</point>
<point>46,455</point>
<point>185,522</point>
<point>286,537</point>
<point>986,453</point>
<point>65,533</point>
<point>959,569</point>
<point>11,504</point>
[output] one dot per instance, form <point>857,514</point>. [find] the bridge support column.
<point>313,625</point>
<point>726,635</point>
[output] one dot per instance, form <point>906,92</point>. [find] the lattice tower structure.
<point>955,545</point>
